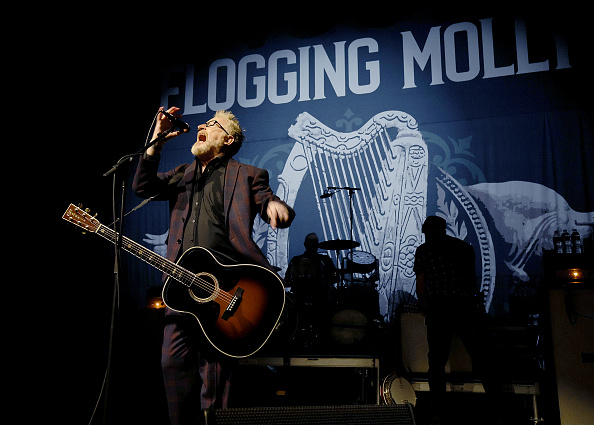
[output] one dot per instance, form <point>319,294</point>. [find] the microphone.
<point>326,194</point>
<point>176,121</point>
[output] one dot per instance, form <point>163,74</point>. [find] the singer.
<point>213,205</point>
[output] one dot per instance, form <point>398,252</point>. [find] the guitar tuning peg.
<point>79,205</point>
<point>95,216</point>
<point>87,210</point>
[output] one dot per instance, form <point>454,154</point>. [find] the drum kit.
<point>353,303</point>
<point>355,315</point>
<point>355,319</point>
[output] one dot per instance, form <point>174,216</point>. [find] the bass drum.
<point>348,327</point>
<point>396,390</point>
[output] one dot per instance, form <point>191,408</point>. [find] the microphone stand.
<point>351,193</point>
<point>161,136</point>
<point>125,160</point>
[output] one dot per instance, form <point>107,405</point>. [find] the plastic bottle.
<point>576,241</point>
<point>567,242</point>
<point>558,242</point>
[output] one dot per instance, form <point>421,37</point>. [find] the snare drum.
<point>395,390</point>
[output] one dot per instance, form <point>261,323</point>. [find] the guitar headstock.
<point>81,218</point>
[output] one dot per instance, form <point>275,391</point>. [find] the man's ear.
<point>229,141</point>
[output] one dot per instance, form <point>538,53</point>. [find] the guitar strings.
<point>155,260</point>
<point>173,270</point>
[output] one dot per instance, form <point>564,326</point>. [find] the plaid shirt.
<point>449,268</point>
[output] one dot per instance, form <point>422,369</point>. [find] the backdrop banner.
<point>479,122</point>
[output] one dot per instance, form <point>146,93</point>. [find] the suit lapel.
<point>230,183</point>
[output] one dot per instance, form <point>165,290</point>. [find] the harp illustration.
<point>387,158</point>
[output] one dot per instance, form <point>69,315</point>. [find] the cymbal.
<point>338,245</point>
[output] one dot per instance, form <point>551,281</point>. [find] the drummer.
<point>311,277</point>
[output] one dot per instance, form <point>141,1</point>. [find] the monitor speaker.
<point>401,414</point>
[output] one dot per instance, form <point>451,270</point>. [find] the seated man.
<point>311,276</point>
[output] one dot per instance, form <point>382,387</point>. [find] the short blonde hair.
<point>236,131</point>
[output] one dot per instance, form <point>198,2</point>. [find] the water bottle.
<point>576,241</point>
<point>567,242</point>
<point>558,242</point>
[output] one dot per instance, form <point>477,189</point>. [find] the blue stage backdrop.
<point>480,122</point>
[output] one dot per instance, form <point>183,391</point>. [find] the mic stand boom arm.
<point>161,136</point>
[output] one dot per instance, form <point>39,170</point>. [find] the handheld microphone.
<point>176,121</point>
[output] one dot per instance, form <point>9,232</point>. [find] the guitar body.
<point>245,330</point>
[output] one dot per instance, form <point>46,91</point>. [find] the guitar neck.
<point>146,255</point>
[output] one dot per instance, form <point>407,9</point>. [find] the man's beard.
<point>205,151</point>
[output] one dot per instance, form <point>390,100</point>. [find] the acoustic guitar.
<point>237,306</point>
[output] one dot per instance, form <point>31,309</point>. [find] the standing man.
<point>447,296</point>
<point>213,202</point>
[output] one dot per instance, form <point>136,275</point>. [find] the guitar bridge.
<point>233,305</point>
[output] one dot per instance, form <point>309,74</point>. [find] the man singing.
<point>213,202</point>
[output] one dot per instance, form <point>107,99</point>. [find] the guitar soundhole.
<point>205,287</point>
